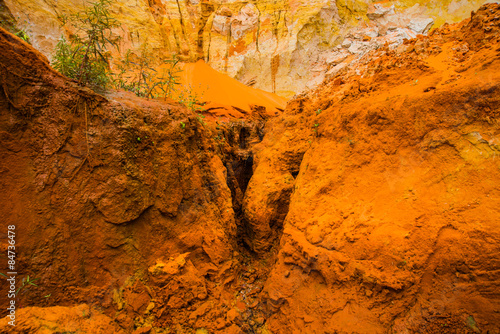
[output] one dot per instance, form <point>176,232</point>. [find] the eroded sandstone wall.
<point>370,204</point>
<point>125,209</point>
<point>280,46</point>
<point>388,178</point>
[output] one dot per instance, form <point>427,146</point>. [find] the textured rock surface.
<point>389,172</point>
<point>281,46</point>
<point>369,206</point>
<point>102,189</point>
<point>60,319</point>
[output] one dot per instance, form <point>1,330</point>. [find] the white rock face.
<point>378,11</point>
<point>282,46</point>
<point>334,57</point>
<point>421,26</point>
<point>244,21</point>
<point>346,43</point>
<point>358,47</point>
<point>221,24</point>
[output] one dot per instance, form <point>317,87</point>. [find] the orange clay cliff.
<point>371,204</point>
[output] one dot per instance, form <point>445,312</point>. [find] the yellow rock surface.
<point>277,46</point>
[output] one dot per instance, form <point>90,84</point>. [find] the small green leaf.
<point>471,323</point>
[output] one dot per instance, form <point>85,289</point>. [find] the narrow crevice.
<point>244,134</point>
<point>240,138</point>
<point>243,171</point>
<point>240,171</point>
<point>239,160</point>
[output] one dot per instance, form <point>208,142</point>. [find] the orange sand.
<point>219,90</point>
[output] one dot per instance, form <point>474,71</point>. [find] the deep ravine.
<point>369,205</point>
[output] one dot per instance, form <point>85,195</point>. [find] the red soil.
<point>390,171</point>
<point>373,204</point>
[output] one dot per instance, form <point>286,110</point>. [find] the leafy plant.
<point>9,23</point>
<point>25,283</point>
<point>190,99</point>
<point>138,75</point>
<point>172,79</point>
<point>200,118</point>
<point>83,56</point>
<point>22,34</point>
<point>315,129</point>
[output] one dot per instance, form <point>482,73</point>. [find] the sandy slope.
<point>220,91</point>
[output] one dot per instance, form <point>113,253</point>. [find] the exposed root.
<point>78,169</point>
<point>8,98</point>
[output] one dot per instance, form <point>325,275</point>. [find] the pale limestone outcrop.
<point>281,46</point>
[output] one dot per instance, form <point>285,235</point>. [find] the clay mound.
<point>226,96</point>
<point>384,193</point>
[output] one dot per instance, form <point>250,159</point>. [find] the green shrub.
<point>23,34</point>
<point>190,99</point>
<point>83,56</point>
<point>140,76</point>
